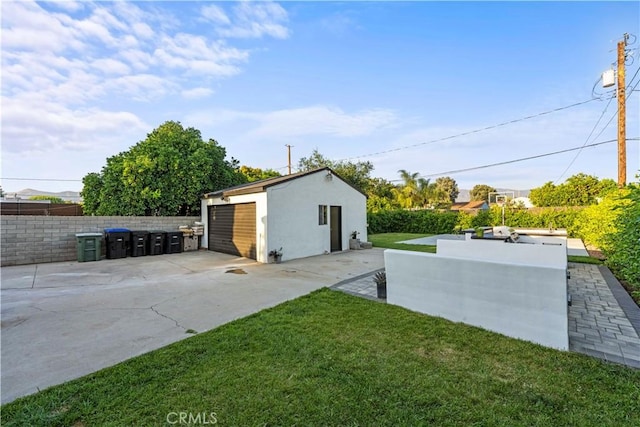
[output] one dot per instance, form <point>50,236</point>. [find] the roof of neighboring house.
<point>261,186</point>
<point>474,204</point>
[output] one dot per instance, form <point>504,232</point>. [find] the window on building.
<point>322,214</point>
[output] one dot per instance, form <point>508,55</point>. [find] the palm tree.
<point>415,192</point>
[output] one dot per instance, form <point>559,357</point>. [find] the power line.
<point>628,89</point>
<point>633,78</point>
<point>520,160</point>
<point>589,137</point>
<point>471,131</point>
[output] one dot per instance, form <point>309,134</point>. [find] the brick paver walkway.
<point>598,323</point>
<point>604,322</point>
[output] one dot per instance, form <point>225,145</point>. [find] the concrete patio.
<point>63,320</point>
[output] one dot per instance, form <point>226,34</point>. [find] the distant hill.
<point>70,196</point>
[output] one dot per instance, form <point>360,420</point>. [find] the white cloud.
<point>215,14</point>
<point>25,25</point>
<point>111,66</point>
<point>65,63</point>
<point>71,6</point>
<point>139,60</point>
<point>142,30</point>
<point>141,87</point>
<point>250,20</point>
<point>196,55</point>
<point>305,121</point>
<point>30,127</point>
<point>198,92</point>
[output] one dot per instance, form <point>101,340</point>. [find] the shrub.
<point>419,221</point>
<point>435,222</point>
<point>597,222</point>
<point>622,247</point>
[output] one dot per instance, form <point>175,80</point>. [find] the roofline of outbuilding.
<point>262,185</point>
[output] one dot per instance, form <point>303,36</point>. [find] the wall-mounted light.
<point>328,176</point>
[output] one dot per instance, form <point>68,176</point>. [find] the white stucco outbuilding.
<point>305,214</point>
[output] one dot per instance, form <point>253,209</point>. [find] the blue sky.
<point>82,81</point>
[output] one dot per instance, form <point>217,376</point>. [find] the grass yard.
<point>334,359</point>
<point>584,259</point>
<point>389,240</point>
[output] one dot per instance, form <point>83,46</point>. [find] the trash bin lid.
<point>116,230</point>
<point>139,232</point>
<point>89,235</point>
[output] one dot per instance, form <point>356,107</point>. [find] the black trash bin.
<point>173,242</point>
<point>156,242</point>
<point>117,240</point>
<point>139,243</point>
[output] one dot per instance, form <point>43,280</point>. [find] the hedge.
<point>622,247</point>
<point>437,222</point>
<point>403,221</point>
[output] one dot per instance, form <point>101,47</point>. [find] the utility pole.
<point>622,128</point>
<point>289,156</point>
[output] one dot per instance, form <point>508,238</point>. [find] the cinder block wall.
<point>26,239</point>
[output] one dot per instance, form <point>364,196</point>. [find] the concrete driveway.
<point>61,321</point>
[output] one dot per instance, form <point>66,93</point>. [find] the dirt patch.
<point>595,253</point>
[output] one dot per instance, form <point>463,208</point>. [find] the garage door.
<point>232,229</point>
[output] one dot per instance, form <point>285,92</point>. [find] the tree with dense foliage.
<point>164,175</point>
<point>380,195</point>
<point>577,190</point>
<point>481,192</point>
<point>414,192</point>
<point>357,174</point>
<point>547,195</point>
<point>91,190</point>
<point>257,174</point>
<point>52,199</point>
<point>408,194</point>
<point>449,187</point>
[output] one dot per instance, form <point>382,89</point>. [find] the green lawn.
<point>330,358</point>
<point>584,259</point>
<point>388,240</point>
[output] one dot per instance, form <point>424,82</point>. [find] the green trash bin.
<point>89,246</point>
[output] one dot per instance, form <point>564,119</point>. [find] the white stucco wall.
<point>553,253</point>
<point>287,215</point>
<point>522,301</point>
<point>293,215</point>
<point>260,199</point>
